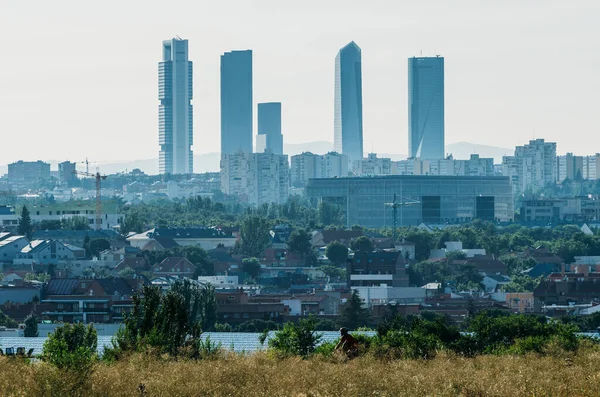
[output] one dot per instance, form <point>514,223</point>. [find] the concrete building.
<point>438,199</point>
<point>44,252</point>
<point>9,216</point>
<point>175,112</point>
<point>256,178</point>
<point>532,167</point>
<point>576,209</point>
<point>576,168</point>
<point>236,102</point>
<point>373,165</point>
<point>426,107</point>
<point>268,178</point>
<point>28,171</point>
<point>474,166</point>
<point>308,165</point>
<point>269,136</point>
<point>66,173</point>
<point>348,121</point>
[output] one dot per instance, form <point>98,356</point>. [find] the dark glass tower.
<point>236,102</point>
<point>426,107</point>
<point>348,123</point>
<point>269,128</point>
<point>175,112</point>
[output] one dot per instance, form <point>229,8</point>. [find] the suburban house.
<point>234,307</point>
<point>205,237</point>
<point>103,300</point>
<point>44,252</point>
<point>324,237</point>
<point>175,267</point>
<point>11,246</point>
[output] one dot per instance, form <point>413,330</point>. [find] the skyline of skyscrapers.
<point>426,107</point>
<point>348,115</point>
<point>236,102</point>
<point>269,128</point>
<point>175,112</point>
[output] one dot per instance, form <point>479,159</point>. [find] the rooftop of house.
<point>10,240</point>
<point>189,232</point>
<point>168,264</point>
<point>115,285</point>
<point>379,257</point>
<point>133,263</point>
<point>35,246</point>
<point>220,255</point>
<point>75,234</point>
<point>62,286</point>
<point>5,235</point>
<point>338,235</point>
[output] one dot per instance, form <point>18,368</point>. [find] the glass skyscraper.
<point>348,123</point>
<point>236,102</point>
<point>175,112</point>
<point>426,107</point>
<point>269,128</point>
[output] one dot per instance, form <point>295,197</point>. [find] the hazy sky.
<point>79,78</point>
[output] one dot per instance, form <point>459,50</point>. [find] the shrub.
<point>295,339</point>
<point>71,347</point>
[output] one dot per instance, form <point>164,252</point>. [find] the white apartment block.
<point>532,167</point>
<point>308,165</point>
<point>256,178</point>
<point>373,165</point>
<point>574,167</point>
<point>475,166</point>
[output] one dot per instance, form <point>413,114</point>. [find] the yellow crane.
<point>98,178</point>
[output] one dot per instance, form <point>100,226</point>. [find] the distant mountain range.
<point>209,162</point>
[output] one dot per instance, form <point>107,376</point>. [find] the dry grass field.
<point>261,375</point>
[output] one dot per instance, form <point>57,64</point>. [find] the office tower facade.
<point>426,107</point>
<point>236,102</point>
<point>441,199</point>
<point>28,171</point>
<point>348,122</point>
<point>175,112</point>
<point>269,136</point>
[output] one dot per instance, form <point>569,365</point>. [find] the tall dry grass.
<point>261,375</point>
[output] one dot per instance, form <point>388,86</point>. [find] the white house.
<point>11,246</point>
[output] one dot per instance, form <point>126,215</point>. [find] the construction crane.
<point>395,205</point>
<point>98,178</point>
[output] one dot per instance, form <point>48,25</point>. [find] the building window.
<point>59,306</point>
<point>231,298</point>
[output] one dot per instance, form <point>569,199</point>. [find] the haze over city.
<point>80,81</point>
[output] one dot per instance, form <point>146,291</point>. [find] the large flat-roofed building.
<point>422,199</point>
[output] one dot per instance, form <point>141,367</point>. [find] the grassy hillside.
<point>261,375</point>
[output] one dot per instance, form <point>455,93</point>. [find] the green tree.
<point>31,327</point>
<point>295,339</point>
<point>75,223</point>
<point>98,245</point>
<point>167,321</point>
<point>353,315</point>
<point>329,214</point>
<point>299,243</point>
<point>71,347</point>
<point>362,244</point>
<point>49,225</point>
<point>336,252</point>
<point>333,272</point>
<point>254,236</point>
<point>25,228</point>
<point>41,277</point>
<point>133,223</point>
<point>251,266</point>
<point>127,273</point>
<point>6,321</point>
<point>521,283</point>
